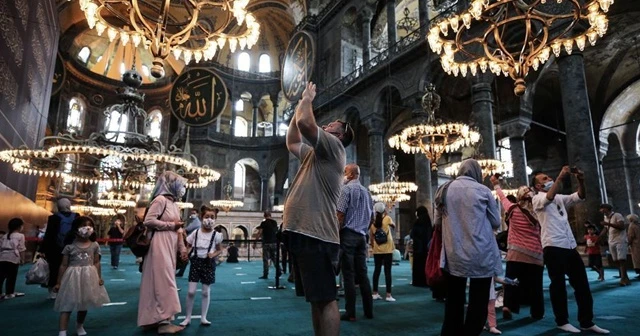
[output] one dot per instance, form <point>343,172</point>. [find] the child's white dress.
<point>80,286</point>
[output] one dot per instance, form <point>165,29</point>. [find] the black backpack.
<point>380,236</point>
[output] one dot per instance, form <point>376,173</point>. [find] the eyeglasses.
<point>560,210</point>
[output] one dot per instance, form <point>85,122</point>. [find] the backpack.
<point>136,236</point>
<point>65,221</point>
<point>380,236</point>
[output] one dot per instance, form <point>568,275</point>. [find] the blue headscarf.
<point>169,184</point>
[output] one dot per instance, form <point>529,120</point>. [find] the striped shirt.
<point>523,236</point>
<point>356,205</point>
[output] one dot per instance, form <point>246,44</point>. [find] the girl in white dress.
<point>80,286</point>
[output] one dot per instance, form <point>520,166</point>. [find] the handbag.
<point>432,269</point>
<point>136,236</point>
<point>38,274</point>
<point>179,262</point>
<point>501,239</point>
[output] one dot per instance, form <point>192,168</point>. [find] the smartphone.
<point>574,170</point>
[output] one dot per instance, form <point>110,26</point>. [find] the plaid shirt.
<point>356,205</point>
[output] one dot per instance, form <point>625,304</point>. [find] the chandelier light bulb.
<point>124,38</point>
<point>112,34</point>
<point>176,53</point>
<point>233,43</point>
<point>187,55</point>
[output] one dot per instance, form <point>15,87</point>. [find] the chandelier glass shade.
<point>431,136</point>
<point>510,37</point>
<point>392,191</point>
<point>278,208</point>
<point>97,211</point>
<point>489,167</point>
<point>188,29</point>
<point>126,157</point>
<point>506,192</point>
<point>184,205</point>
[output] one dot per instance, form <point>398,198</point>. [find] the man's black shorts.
<point>315,264</point>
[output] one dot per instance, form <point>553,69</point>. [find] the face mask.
<point>207,223</point>
<point>181,192</point>
<point>193,216</point>
<point>547,186</point>
<point>85,232</point>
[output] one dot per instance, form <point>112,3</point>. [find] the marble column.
<point>423,14</point>
<point>264,194</point>
<point>274,102</point>
<point>516,129</point>
<point>616,176</point>
<point>366,36</point>
<point>581,146</point>
<point>234,114</point>
<point>375,125</point>
<point>391,22</point>
<point>423,181</point>
<point>632,162</point>
<point>254,123</point>
<point>482,114</point>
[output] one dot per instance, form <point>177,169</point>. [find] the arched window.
<point>84,54</point>
<point>116,123</point>
<point>504,154</point>
<point>155,124</point>
<point>239,178</point>
<point>75,115</point>
<point>107,164</point>
<point>239,105</point>
<point>264,64</point>
<point>242,127</point>
<point>244,61</point>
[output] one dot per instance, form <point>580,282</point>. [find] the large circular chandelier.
<point>511,36</point>
<point>189,29</point>
<point>227,204</point>
<point>392,191</point>
<point>432,136</point>
<point>126,157</point>
<point>184,205</point>
<point>488,166</point>
<point>97,211</point>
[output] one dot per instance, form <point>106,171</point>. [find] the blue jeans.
<point>115,254</point>
<point>353,248</point>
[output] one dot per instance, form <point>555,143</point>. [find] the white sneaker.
<point>569,328</point>
<point>9,296</point>
<point>18,294</point>
<point>80,330</point>
<point>597,330</point>
<point>495,331</point>
<point>390,299</point>
<point>376,296</point>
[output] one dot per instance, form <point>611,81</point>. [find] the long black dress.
<point>421,236</point>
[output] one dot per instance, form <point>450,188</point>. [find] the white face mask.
<point>208,223</point>
<point>193,216</point>
<point>181,192</point>
<point>547,185</point>
<point>85,232</point>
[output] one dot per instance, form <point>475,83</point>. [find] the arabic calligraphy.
<point>198,97</point>
<point>298,65</point>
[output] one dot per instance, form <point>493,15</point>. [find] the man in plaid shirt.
<point>355,214</point>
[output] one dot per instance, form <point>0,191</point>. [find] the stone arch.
<point>620,111</point>
<point>224,231</point>
<point>616,176</point>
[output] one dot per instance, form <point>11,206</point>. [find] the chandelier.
<point>190,29</point>
<point>278,208</point>
<point>432,136</point>
<point>118,198</point>
<point>184,205</point>
<point>125,157</point>
<point>506,192</point>
<point>488,166</point>
<point>228,203</point>
<point>392,191</point>
<point>511,36</point>
<point>97,211</point>
<point>407,23</point>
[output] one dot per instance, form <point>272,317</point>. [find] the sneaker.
<point>9,296</point>
<point>18,294</point>
<point>569,328</point>
<point>263,277</point>
<point>53,295</point>
<point>594,328</point>
<point>345,317</point>
<point>376,296</point>
<point>390,299</point>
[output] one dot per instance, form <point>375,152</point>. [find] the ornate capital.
<point>375,124</point>
<point>516,127</point>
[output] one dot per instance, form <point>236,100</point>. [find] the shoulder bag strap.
<point>211,241</point>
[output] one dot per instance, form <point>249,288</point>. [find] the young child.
<point>593,250</point>
<point>80,286</point>
<point>12,250</point>
<point>491,316</point>
<point>205,248</point>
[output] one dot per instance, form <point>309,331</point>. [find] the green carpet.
<point>280,312</point>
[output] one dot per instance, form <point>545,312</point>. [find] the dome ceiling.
<point>277,20</point>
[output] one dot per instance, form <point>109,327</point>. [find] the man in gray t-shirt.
<point>618,246</point>
<point>310,223</point>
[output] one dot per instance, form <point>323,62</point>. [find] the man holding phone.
<point>559,249</point>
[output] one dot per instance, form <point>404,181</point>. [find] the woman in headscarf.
<point>468,213</point>
<point>159,300</point>
<point>420,235</point>
<point>524,254</point>
<point>633,233</point>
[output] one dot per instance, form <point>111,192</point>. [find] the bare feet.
<point>169,329</point>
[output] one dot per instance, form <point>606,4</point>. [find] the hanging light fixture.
<point>431,136</point>
<point>188,29</point>
<point>126,156</point>
<point>97,211</point>
<point>184,205</point>
<point>228,203</point>
<point>488,166</point>
<point>510,37</point>
<point>392,191</point>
